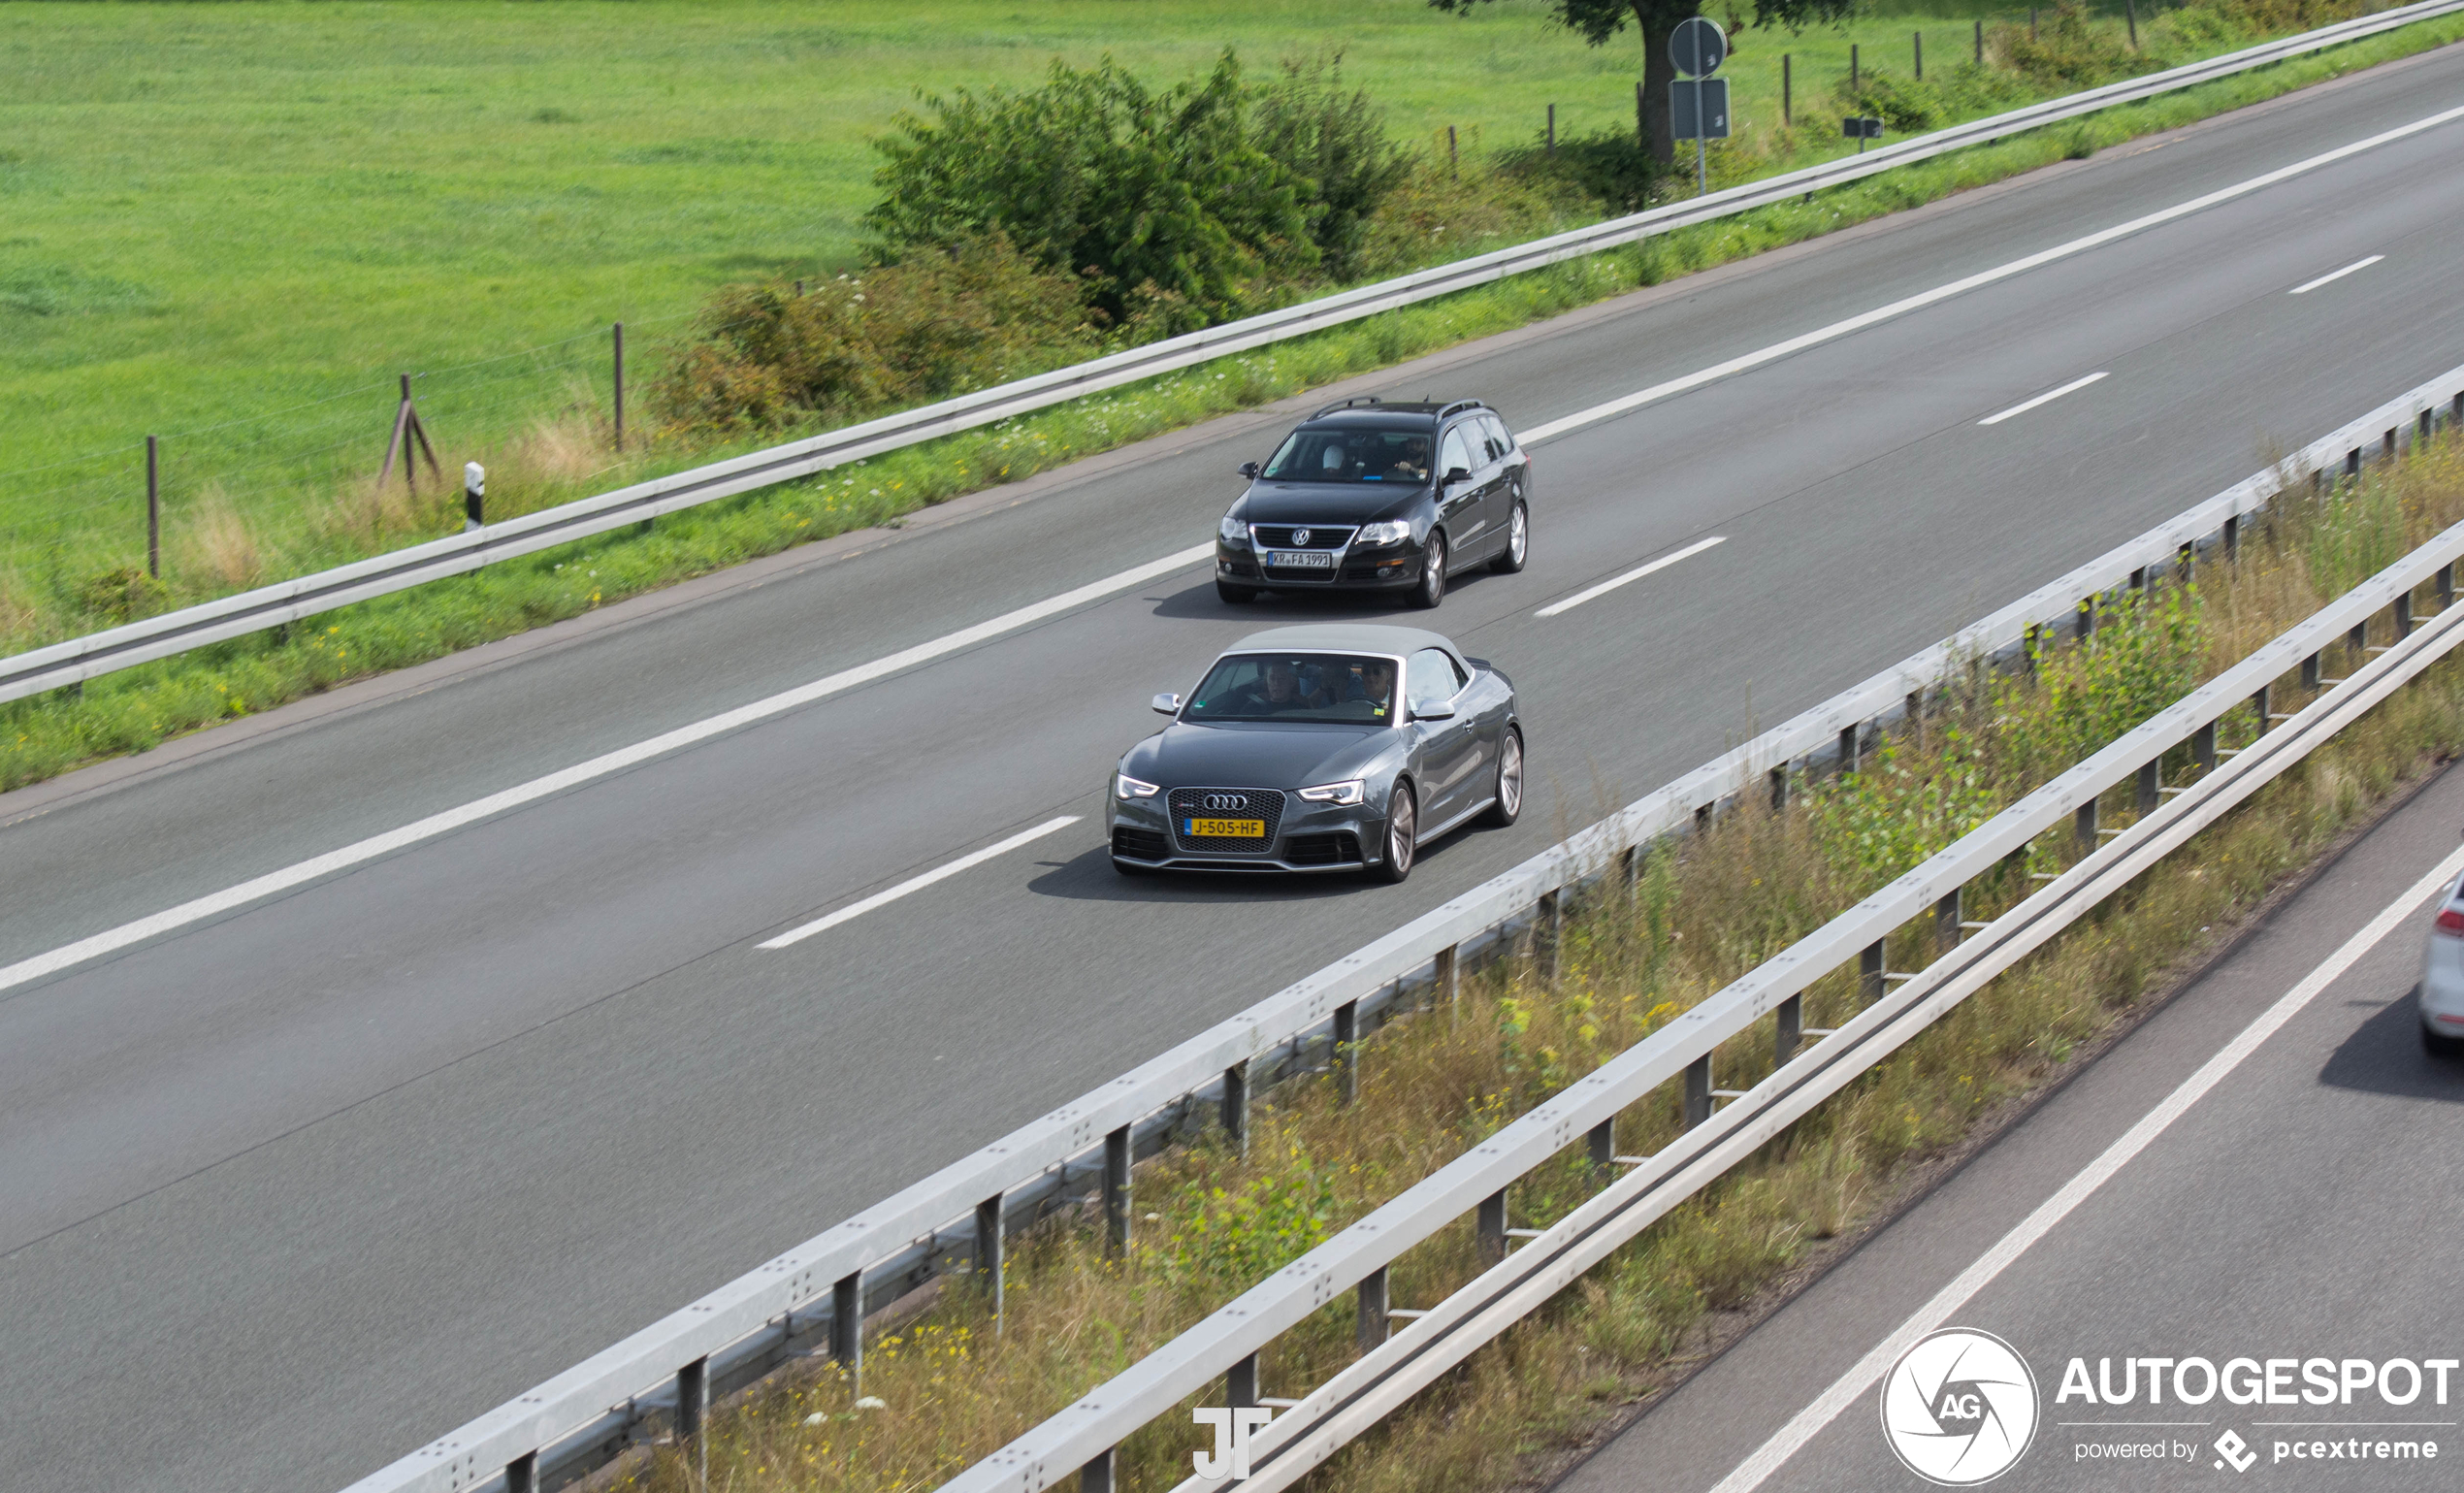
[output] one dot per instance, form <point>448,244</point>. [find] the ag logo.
<point>1959,1407</point>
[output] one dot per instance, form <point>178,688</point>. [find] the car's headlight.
<point>1350,791</point>
<point>1392,531</point>
<point>1232,529</point>
<point>1126,787</point>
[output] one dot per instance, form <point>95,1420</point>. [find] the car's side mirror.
<point>1438,712</point>
<point>1250,471</point>
<point>1166,704</point>
<point>1456,474</point>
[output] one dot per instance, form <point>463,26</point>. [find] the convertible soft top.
<point>1345,637</point>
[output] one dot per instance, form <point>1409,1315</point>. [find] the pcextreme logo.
<point>1959,1407</point>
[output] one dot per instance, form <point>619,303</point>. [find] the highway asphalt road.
<point>287,1191</point>
<point>2302,1208</point>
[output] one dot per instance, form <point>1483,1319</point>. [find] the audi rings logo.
<point>1959,1407</point>
<point>1220,802</point>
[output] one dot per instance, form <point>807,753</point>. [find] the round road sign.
<point>1698,47</point>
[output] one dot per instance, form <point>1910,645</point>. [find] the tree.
<point>1600,19</point>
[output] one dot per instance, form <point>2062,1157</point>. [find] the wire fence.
<point>267,495</point>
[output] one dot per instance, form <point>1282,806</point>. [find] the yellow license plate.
<point>1224,828</point>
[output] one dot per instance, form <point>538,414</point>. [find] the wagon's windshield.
<point>1330,687</point>
<point>1353,455</point>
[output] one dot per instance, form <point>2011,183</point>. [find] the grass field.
<point>233,225</point>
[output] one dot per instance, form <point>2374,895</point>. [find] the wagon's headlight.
<point>1350,791</point>
<point>1126,787</point>
<point>1232,530</point>
<point>1392,531</point>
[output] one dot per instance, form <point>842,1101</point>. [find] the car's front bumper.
<point>1390,567</point>
<point>1309,837</point>
<point>2442,997</point>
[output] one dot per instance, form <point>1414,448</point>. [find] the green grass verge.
<point>945,1390</point>
<point>137,708</point>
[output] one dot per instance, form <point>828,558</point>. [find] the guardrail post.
<point>2139,579</point>
<point>1848,748</point>
<point>2203,748</point>
<point>2358,639</point>
<point>2183,558</point>
<point>1240,1385</point>
<point>2310,672</point>
<point>1096,1477</point>
<point>1601,1140</point>
<point>2422,427</point>
<point>1549,931</point>
<point>2446,584</point>
<point>1236,1104</point>
<point>1946,922</point>
<point>847,1329</point>
<point>2457,416</point>
<point>2086,825</point>
<point>1870,973</point>
<point>1116,1191</point>
<point>2232,536</point>
<point>693,1407</point>
<point>1697,1090</point>
<point>1779,788</point>
<point>2151,779</point>
<point>1792,1028</point>
<point>522,1473</point>
<point>990,1248</point>
<point>1915,719</point>
<point>2086,626</point>
<point>2404,616</point>
<point>1348,1051</point>
<point>2387,447</point>
<point>1449,983</point>
<point>2352,464</point>
<point>1372,1330</point>
<point>2260,703</point>
<point>1490,1226</point>
<point>1703,816</point>
<point>1629,872</point>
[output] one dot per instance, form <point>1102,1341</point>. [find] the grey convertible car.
<point>1337,748</point>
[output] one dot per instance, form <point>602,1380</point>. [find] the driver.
<point>1411,464</point>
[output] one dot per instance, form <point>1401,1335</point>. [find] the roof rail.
<point>1461,404</point>
<point>1366,399</point>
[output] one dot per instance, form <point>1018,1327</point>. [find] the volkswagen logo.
<point>1300,536</point>
<point>1220,802</point>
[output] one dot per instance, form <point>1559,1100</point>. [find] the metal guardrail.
<point>78,660</point>
<point>1225,1345</point>
<point>816,1296</point>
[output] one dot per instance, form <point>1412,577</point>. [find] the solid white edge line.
<point>1635,574</point>
<point>1849,1387</point>
<point>2307,286</point>
<point>853,910</point>
<point>1858,323</point>
<point>435,825</point>
<point>2046,398</point>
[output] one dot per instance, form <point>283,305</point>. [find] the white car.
<point>2442,988</point>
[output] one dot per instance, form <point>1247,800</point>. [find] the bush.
<point>1163,204</point>
<point>1336,149</point>
<point>1611,168</point>
<point>121,594</point>
<point>940,324</point>
<point>2067,53</point>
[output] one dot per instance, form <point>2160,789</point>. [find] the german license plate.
<point>1224,828</point>
<point>1302,559</point>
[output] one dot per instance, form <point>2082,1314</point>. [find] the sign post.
<point>1861,128</point>
<point>1699,103</point>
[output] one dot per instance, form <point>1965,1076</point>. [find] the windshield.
<point>1351,456</point>
<point>1331,687</point>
